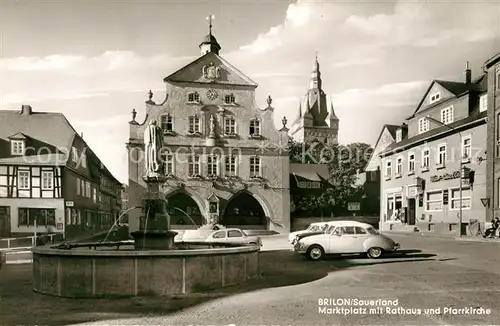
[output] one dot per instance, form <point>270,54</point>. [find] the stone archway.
<point>184,210</point>
<point>244,210</point>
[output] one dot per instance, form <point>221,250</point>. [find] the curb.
<point>481,240</point>
<point>420,234</point>
<point>449,237</point>
<point>18,262</point>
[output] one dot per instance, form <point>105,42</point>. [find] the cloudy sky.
<point>96,60</point>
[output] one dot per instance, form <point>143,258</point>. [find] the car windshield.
<point>330,229</point>
<point>373,231</point>
<point>243,232</point>
<point>313,227</point>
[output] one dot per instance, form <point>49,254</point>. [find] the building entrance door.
<point>411,211</point>
<point>4,221</point>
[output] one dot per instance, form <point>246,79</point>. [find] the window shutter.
<point>235,127</point>
<point>261,167</point>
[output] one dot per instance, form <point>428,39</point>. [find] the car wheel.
<point>252,243</point>
<point>374,252</point>
<point>315,252</point>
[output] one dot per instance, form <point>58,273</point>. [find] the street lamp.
<point>461,170</point>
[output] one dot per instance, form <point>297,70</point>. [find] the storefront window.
<point>434,201</point>
<point>455,198</point>
<point>393,204</point>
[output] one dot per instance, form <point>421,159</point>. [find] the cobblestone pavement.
<point>445,274</point>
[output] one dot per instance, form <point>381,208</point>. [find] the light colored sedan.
<point>346,237</point>
<point>233,236</point>
<point>317,227</point>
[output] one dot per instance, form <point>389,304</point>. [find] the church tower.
<point>334,123</point>
<point>316,123</point>
<point>209,42</point>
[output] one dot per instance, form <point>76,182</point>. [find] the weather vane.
<point>210,18</point>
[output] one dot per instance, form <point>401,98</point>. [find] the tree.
<point>344,162</point>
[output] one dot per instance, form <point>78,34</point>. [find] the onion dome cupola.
<point>209,42</point>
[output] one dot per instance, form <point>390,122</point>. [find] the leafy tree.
<point>344,161</point>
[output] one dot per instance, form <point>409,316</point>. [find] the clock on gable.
<point>212,94</point>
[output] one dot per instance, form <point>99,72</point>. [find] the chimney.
<point>81,135</point>
<point>26,110</point>
<point>468,73</point>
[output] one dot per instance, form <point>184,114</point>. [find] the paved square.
<point>445,273</point>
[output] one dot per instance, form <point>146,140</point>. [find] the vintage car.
<point>346,237</point>
<point>313,228</point>
<point>235,236</point>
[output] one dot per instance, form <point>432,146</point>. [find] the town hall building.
<point>224,159</point>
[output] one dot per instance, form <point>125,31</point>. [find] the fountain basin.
<point>193,267</point>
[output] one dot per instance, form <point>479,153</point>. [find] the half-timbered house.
<point>50,180</point>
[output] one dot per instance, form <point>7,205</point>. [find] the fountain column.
<point>154,231</point>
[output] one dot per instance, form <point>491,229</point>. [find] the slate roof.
<point>456,88</point>
<point>313,172</point>
<point>50,128</point>
<point>493,60</point>
<point>392,130</point>
<point>409,142</point>
<point>192,72</point>
<point>42,159</point>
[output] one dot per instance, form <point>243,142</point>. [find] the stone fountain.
<point>153,265</point>
<point>154,232</point>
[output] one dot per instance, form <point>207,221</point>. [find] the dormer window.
<point>483,103</point>
<point>434,98</point>
<point>229,99</point>
<point>254,129</point>
<point>193,97</point>
<point>17,147</point>
<point>423,125</point>
<point>84,159</point>
<point>167,123</point>
<point>74,154</point>
<point>447,115</point>
<point>399,135</point>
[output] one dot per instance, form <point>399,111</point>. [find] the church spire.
<point>332,113</point>
<point>209,43</point>
<point>315,75</point>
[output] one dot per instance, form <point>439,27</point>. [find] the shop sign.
<point>412,191</point>
<point>446,176</point>
<point>309,184</point>
<point>353,206</point>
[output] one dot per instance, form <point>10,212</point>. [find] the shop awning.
<point>310,176</point>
